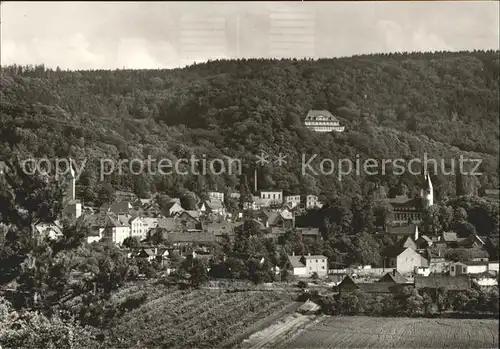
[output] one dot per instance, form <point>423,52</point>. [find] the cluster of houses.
<point>393,280</point>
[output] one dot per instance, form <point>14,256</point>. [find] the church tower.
<point>73,208</point>
<point>70,191</point>
<point>427,192</point>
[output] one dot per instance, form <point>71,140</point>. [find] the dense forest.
<point>394,106</point>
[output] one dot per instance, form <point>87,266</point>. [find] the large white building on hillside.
<point>322,121</point>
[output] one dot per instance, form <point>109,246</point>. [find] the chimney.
<point>308,254</point>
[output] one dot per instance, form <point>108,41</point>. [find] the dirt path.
<point>279,332</point>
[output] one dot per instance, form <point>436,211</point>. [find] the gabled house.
<point>93,225</point>
<point>305,266</point>
<point>117,229</point>
<point>282,219</point>
<point>119,208</point>
<point>378,288</point>
<point>189,219</point>
<point>173,208</point>
<point>147,254</point>
<point>405,260</point>
<point>214,206</point>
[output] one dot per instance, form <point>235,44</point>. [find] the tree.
<point>383,214</point>
<point>106,194</point>
<point>131,242</point>
<point>188,201</point>
<point>197,270</point>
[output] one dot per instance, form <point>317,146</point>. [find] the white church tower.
<point>427,192</point>
<point>73,207</point>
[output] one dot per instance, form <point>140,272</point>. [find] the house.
<point>117,229</point>
<point>311,202</point>
<point>283,219</point>
<point>48,230</point>
<point>173,208</point>
<point>405,260</point>
<point>322,121</point>
<point>215,195</point>
<point>125,196</point>
<point>432,283</point>
<point>378,288</point>
<point>190,238</point>
<point>138,228</point>
<point>147,254</point>
<point>123,207</point>
<point>189,219</point>
<point>393,277</point>
<point>292,201</point>
<point>460,268</point>
<point>220,229</point>
<point>272,197</point>
<point>436,258</point>
<point>485,281</point>
<point>305,266</point>
<point>215,206</point>
<point>310,233</point>
<point>493,266</point>
<point>93,225</point>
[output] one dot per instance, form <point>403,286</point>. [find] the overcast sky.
<point>87,35</point>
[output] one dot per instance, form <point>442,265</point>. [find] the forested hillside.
<point>393,106</point>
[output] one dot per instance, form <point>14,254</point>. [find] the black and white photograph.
<point>253,174</point>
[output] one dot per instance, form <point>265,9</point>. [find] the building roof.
<point>452,283</point>
<point>169,224</point>
<point>375,287</point>
<point>296,262</point>
<point>405,201</point>
<point>214,204</point>
<point>449,236</point>
<point>324,113</point>
<point>308,231</point>
<point>191,236</point>
<point>315,256</point>
<point>393,277</point>
<point>472,263</point>
<point>45,228</point>
<point>193,213</point>
<point>220,228</point>
<point>408,229</point>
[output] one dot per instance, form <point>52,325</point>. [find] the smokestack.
<point>255,181</point>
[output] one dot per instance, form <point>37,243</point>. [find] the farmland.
<point>372,332</point>
<point>203,318</point>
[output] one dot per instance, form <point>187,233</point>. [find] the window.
<point>452,268</point>
<point>316,261</point>
<point>323,267</point>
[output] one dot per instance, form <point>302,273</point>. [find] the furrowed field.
<point>372,332</point>
<point>172,318</point>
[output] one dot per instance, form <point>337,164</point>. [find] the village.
<point>154,235</point>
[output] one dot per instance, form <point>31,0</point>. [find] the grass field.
<point>172,318</point>
<point>373,332</point>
